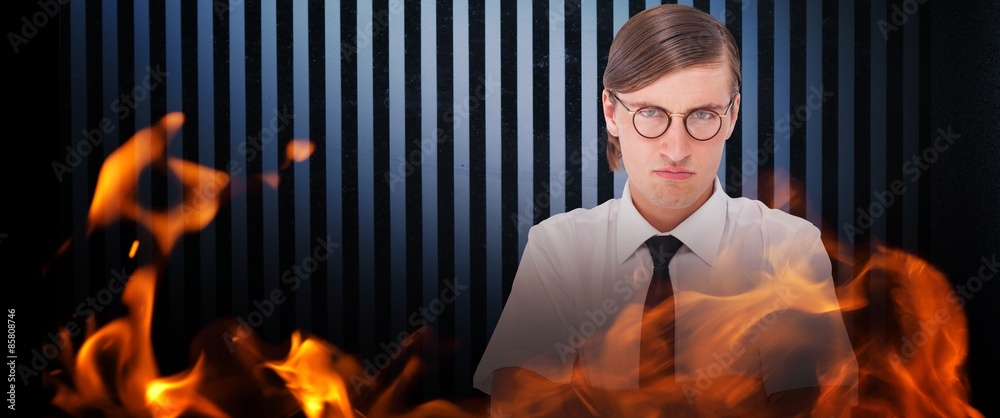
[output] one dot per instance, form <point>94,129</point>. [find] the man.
<point>676,299</point>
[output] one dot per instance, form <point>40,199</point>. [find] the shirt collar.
<point>701,232</point>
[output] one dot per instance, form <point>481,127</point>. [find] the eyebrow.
<point>712,106</point>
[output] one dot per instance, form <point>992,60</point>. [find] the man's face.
<point>673,170</point>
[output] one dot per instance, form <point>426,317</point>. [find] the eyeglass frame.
<point>683,116</point>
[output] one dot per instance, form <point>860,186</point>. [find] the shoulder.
<point>578,226</point>
<point>775,225</point>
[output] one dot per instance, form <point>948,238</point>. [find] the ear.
<point>608,103</point>
<point>734,116</point>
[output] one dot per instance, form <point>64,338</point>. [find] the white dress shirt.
<point>752,286</point>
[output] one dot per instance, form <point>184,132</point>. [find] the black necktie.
<point>658,328</point>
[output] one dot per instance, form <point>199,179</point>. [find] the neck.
<point>666,219</point>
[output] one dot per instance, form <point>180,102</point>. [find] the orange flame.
<point>115,373</point>
<point>135,248</point>
<point>311,378</point>
<point>300,150</point>
<point>914,368</point>
<point>172,396</point>
<point>117,183</point>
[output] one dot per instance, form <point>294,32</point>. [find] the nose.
<point>675,143</point>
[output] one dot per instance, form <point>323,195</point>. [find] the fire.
<point>310,376</point>
<point>172,396</point>
<point>117,183</point>
<point>115,371</point>
<point>299,150</point>
<point>134,249</point>
<point>913,368</point>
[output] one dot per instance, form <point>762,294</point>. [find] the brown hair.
<point>662,39</point>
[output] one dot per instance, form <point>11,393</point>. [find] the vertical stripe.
<point>556,139</point>
<point>206,155</point>
<point>510,139</point>
<point>830,132</point>
<point>334,175</point>
<point>527,167</point>
<point>535,142</point>
<point>845,135</point>
<point>437,53</point>
<point>303,245</point>
<point>494,135</point>
<point>223,115</point>
<point>480,326</point>
<point>269,151</point>
<point>288,258</point>
<point>127,96</point>
<point>315,183</point>
<point>814,115</point>
<point>381,96</point>
<point>717,9</point>
<point>401,168</point>
<point>109,69</point>
<point>237,170</point>
<point>749,103</point>
<point>143,115</point>
<point>797,119</point>
<point>192,246</point>
<point>593,138</point>
<point>175,99</point>
<point>573,115</point>
<point>925,130</point>
<point>911,133</point>
<point>467,356</point>
<point>421,273</point>
<point>423,135</point>
<point>605,30</point>
<point>635,6</point>
<point>878,142</point>
<point>354,294</point>
<point>249,155</point>
<point>365,168</point>
<point>862,131</point>
<point>765,118</point>
<point>732,175</point>
<point>157,85</point>
<point>787,91</point>
<point>894,123</point>
<point>621,15</point>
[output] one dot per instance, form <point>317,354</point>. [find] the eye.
<point>702,115</point>
<point>649,112</point>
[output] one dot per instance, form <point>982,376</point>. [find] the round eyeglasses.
<point>701,124</point>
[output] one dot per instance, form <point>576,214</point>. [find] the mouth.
<point>677,174</point>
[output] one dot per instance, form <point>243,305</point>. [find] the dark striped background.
<point>443,131</point>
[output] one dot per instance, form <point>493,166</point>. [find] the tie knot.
<point>662,248</point>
